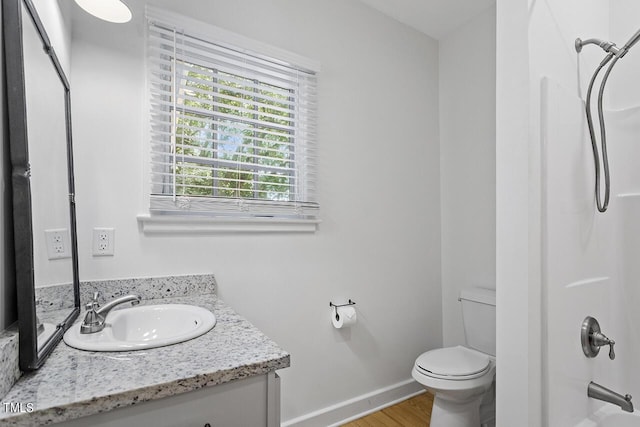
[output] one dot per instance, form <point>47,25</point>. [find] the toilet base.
<point>488,408</point>
<point>446,413</point>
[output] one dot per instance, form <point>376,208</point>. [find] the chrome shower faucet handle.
<point>592,339</point>
<point>599,339</point>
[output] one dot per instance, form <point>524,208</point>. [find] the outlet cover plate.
<point>58,243</point>
<point>103,241</point>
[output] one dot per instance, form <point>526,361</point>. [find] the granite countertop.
<point>74,383</point>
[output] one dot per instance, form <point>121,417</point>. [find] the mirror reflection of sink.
<point>144,326</point>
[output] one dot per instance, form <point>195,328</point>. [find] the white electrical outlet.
<point>103,241</point>
<point>58,243</point>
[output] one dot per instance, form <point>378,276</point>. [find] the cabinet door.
<point>240,403</point>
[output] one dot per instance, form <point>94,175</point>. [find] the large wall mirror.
<point>42,180</point>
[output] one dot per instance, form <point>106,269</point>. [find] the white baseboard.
<point>358,407</point>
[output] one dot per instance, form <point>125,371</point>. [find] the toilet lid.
<point>453,363</point>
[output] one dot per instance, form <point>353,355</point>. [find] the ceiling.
<point>432,17</point>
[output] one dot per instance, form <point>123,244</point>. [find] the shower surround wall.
<point>624,89</point>
<point>579,254</point>
<point>379,240</point>
<point>587,258</point>
<point>534,40</point>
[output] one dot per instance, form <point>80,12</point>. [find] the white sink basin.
<point>144,326</point>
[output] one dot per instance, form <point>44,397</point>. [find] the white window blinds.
<point>233,133</point>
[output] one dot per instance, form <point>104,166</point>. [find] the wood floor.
<point>415,412</point>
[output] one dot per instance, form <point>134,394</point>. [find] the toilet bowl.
<point>462,378</point>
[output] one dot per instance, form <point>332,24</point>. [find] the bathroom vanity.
<point>244,402</point>
<point>225,377</point>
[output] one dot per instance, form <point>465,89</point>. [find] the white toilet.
<point>462,379</point>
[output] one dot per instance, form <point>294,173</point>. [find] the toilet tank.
<point>479,318</point>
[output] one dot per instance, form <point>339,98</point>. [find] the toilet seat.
<point>453,363</point>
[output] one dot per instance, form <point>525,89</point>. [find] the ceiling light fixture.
<point>108,10</point>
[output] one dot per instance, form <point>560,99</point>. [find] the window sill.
<point>160,224</point>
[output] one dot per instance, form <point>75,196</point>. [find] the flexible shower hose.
<point>600,204</point>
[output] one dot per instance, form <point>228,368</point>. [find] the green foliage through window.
<point>234,136</point>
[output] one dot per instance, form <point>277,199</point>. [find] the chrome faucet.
<point>596,391</point>
<point>94,319</point>
<point>592,339</point>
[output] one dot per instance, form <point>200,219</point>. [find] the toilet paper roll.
<point>343,317</point>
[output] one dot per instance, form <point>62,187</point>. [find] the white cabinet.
<point>250,402</point>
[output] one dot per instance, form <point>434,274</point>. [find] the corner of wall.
<point>467,156</point>
<point>518,396</point>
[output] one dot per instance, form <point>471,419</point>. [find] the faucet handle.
<point>592,339</point>
<point>599,339</point>
<point>93,304</point>
<point>612,355</point>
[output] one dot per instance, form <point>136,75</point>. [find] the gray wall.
<point>467,164</point>
<point>379,241</point>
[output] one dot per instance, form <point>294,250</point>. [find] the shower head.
<point>609,47</point>
<point>605,45</point>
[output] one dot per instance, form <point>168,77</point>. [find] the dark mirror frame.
<point>31,357</point>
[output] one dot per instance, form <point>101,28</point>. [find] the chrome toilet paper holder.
<point>351,302</point>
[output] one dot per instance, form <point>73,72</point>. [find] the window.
<point>232,131</point>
